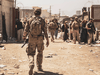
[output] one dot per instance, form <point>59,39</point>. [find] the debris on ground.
<point>80,47</point>
<point>20,60</point>
<point>91,70</point>
<point>96,45</point>
<point>97,42</point>
<point>48,56</point>
<point>91,50</point>
<point>4,48</point>
<point>5,69</point>
<point>16,66</point>
<point>2,66</point>
<point>52,54</point>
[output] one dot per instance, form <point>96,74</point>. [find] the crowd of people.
<point>81,31</point>
<point>76,30</point>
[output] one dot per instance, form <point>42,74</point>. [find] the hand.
<point>24,38</point>
<point>47,43</point>
<point>16,26</point>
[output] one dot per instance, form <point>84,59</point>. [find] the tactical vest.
<point>36,27</point>
<point>76,25</point>
<point>52,26</point>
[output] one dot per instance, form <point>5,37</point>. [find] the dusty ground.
<point>67,59</point>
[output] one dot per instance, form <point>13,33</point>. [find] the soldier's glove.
<point>47,43</point>
<point>24,38</point>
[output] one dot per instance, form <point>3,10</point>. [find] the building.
<point>6,8</point>
<point>78,12</point>
<point>45,14</point>
<point>95,14</point>
<point>26,13</point>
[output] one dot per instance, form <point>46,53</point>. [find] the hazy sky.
<point>67,7</point>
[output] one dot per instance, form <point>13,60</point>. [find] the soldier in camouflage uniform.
<point>52,28</point>
<point>75,27</point>
<point>35,27</point>
<point>91,31</point>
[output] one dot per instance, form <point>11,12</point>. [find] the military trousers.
<point>76,36</point>
<point>52,35</point>
<point>35,43</point>
<point>20,34</point>
<point>90,37</point>
<point>71,34</point>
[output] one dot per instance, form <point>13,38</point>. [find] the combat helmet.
<point>37,10</point>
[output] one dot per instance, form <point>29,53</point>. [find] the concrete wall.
<point>7,9</point>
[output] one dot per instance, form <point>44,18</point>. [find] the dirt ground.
<point>60,58</point>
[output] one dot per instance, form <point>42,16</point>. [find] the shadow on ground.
<point>57,42</point>
<point>46,73</point>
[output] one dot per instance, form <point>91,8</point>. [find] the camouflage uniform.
<point>90,32</point>
<point>70,30</point>
<point>75,27</point>
<point>52,28</point>
<point>35,41</point>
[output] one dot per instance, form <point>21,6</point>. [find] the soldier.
<point>75,27</point>
<point>90,30</point>
<point>70,29</point>
<point>35,27</point>
<point>52,28</point>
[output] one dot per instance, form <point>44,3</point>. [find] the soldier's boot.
<point>74,40</point>
<point>40,68</point>
<point>51,40</point>
<point>31,70</point>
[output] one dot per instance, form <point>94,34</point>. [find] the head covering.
<point>76,17</point>
<point>37,10</point>
<point>66,21</point>
<point>51,23</point>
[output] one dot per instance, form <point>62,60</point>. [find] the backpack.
<point>36,26</point>
<point>52,25</point>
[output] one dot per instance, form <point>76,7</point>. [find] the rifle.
<point>26,41</point>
